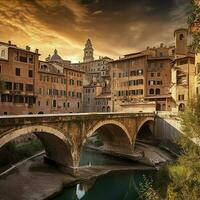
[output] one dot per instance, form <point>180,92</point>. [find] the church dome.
<point>56,57</point>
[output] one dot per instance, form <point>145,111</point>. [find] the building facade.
<point>141,77</point>
<point>183,71</point>
<point>18,69</point>
<point>97,82</point>
<point>30,86</point>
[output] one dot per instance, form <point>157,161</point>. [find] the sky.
<point>115,27</point>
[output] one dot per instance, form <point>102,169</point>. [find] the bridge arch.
<point>145,130</point>
<point>56,145</point>
<point>114,135</point>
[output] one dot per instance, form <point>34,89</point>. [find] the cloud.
<point>115,27</point>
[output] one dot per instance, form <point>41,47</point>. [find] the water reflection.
<point>115,186</point>
<point>82,188</point>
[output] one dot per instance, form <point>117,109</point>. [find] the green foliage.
<point>190,119</point>
<point>147,191</point>
<point>194,23</point>
<point>181,179</point>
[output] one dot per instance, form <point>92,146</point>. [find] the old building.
<point>18,68</point>
<point>59,87</point>
<point>28,85</point>
<point>141,77</point>
<point>96,80</point>
<point>183,71</point>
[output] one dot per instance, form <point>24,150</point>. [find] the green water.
<point>113,186</point>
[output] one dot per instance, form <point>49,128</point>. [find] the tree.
<point>194,24</point>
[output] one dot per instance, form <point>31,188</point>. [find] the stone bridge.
<point>64,135</point>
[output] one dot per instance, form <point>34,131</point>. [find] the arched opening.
<point>40,112</point>
<point>30,113</point>
<point>108,109</point>
<point>103,109</point>
<point>57,148</point>
<point>145,132</point>
<point>151,91</point>
<point>158,107</point>
<point>157,91</point>
<point>110,138</point>
<point>181,107</point>
<point>181,36</point>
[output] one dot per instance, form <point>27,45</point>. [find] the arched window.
<point>103,109</point>
<point>151,91</point>
<point>108,109</point>
<point>181,36</point>
<point>181,107</point>
<point>157,91</point>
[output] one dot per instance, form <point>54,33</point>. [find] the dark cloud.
<point>115,27</point>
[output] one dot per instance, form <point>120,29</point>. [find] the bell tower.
<point>88,51</point>
<point>181,42</point>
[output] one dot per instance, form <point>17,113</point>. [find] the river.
<point>123,185</point>
<point>113,186</point>
<point>101,177</point>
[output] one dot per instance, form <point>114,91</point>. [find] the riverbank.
<point>36,180</point>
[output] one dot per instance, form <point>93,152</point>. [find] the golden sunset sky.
<point>116,27</point>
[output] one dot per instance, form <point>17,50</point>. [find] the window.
<point>31,59</point>
<point>151,91</point>
<point>78,105</point>
<point>159,82</point>
<point>54,103</point>
<point>0,69</point>
<point>47,103</point>
<point>8,85</point>
<point>158,74</point>
<point>29,87</point>
<point>152,74</point>
<point>68,104</point>
<point>157,91</point>
<point>17,71</point>
<point>38,103</point>
<point>18,86</point>
<point>30,73</point>
<point>161,54</point>
<point>23,59</point>
<point>140,72</point>
<point>181,97</point>
<point>133,73</point>
<point>3,53</point>
<point>6,98</point>
<point>151,82</point>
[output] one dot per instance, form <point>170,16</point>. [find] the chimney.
<point>9,42</point>
<point>37,51</point>
<point>28,48</point>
